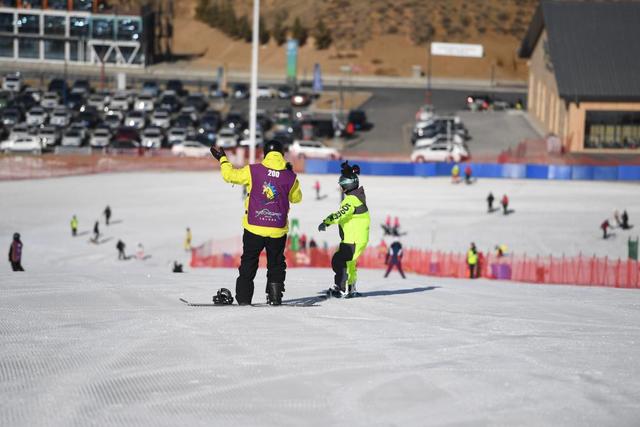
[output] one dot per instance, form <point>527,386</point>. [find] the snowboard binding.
<point>223,297</point>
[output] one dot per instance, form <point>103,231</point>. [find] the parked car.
<point>176,86</point>
<point>176,136</point>
<point>58,86</point>
<point>161,118</point>
<point>438,138</point>
<point>209,122</point>
<point>113,121</point>
<point>21,130</point>
<point>11,117</point>
<point>12,82</point>
<point>72,138</point>
<point>60,117</point>
<point>359,119</point>
<point>82,87</point>
<point>124,144</point>
<point>100,138</point>
<point>37,116</point>
<point>50,100</point>
<point>29,144</point>
<point>75,101</point>
<point>227,138</point>
<point>5,98</point>
<point>152,137</point>
<point>185,120</point>
<point>151,88</point>
<point>313,149</point>
<point>196,101</point>
<point>301,99</point>
<point>120,101</point>
<point>125,135</point>
<point>99,101</point>
<point>190,148</point>
<point>425,113</point>
<point>88,118</point>
<point>169,101</point>
<point>245,138</point>
<point>136,120</point>
<point>144,103</point>
<point>235,121</point>
<point>440,152</point>
<point>284,92</point>
<point>240,91</point>
<point>49,136</point>
<point>82,128</point>
<point>266,92</point>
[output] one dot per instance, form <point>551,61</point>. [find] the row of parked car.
<point>438,138</point>
<point>78,115</point>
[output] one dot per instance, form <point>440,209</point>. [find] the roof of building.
<point>594,47</point>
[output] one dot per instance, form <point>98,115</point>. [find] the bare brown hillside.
<point>383,37</point>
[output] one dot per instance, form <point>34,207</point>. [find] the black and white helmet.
<point>223,297</point>
<point>349,177</point>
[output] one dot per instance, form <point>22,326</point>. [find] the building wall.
<point>577,116</point>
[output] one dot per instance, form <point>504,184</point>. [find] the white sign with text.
<point>457,49</point>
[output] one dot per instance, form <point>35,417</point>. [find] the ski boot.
<point>351,291</point>
<point>334,292</point>
<point>274,293</point>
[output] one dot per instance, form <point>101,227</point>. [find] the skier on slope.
<point>272,186</point>
<point>15,253</point>
<point>353,223</point>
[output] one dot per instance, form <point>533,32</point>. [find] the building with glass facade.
<point>74,31</point>
<point>584,59</point>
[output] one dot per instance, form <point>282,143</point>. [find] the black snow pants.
<point>16,266</point>
<point>252,246</point>
<point>398,264</point>
<point>339,264</point>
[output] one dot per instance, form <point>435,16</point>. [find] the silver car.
<point>99,101</point>
<point>136,120</point>
<point>100,138</point>
<point>120,101</point>
<point>152,137</point>
<point>21,130</point>
<point>29,144</point>
<point>49,136</point>
<point>161,119</point>
<point>37,116</point>
<point>144,103</point>
<point>73,138</point>
<point>60,117</point>
<point>112,120</point>
<point>227,138</point>
<point>50,100</point>
<point>177,136</point>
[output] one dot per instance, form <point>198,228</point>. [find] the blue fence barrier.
<point>484,170</point>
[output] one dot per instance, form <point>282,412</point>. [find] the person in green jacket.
<point>74,226</point>
<point>353,223</point>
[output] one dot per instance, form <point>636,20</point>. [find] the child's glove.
<point>322,226</point>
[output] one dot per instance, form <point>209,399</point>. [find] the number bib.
<point>269,196</point>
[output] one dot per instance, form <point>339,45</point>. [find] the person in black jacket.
<point>394,258</point>
<point>107,214</point>
<point>15,253</point>
<point>490,200</point>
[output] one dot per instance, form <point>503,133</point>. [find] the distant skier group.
<point>621,222</point>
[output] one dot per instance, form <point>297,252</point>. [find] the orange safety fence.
<point>579,270</point>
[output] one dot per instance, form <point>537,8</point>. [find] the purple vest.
<point>269,197</point>
<point>16,251</point>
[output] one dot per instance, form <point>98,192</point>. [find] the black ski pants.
<point>16,266</point>
<point>339,263</point>
<point>395,263</point>
<point>252,246</point>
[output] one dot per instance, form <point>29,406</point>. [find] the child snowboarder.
<point>505,204</point>
<point>272,186</point>
<point>353,221</point>
<point>605,226</point>
<point>394,259</point>
<point>455,174</point>
<point>74,226</point>
<point>15,253</point>
<point>187,240</point>
<point>107,214</point>
<point>467,174</point>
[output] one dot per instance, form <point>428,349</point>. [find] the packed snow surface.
<point>90,340</point>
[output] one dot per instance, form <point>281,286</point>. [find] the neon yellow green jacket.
<point>352,218</point>
<point>242,176</point>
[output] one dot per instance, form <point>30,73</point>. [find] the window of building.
<point>129,29</point>
<point>79,27</point>
<point>6,47</point>
<point>6,22</point>
<point>28,48</point>
<point>103,28</point>
<point>54,25</point>
<point>28,24</point>
<point>58,4</point>
<point>612,129</point>
<point>54,49</point>
<point>78,51</point>
<point>8,3</point>
<point>32,4</point>
<point>84,5</point>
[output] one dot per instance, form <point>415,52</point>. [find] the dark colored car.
<point>89,117</point>
<point>59,86</point>
<point>264,121</point>
<point>170,103</point>
<point>235,121</point>
<point>150,87</point>
<point>184,120</point>
<point>240,91</point>
<point>75,101</point>
<point>176,86</point>
<point>11,116</point>
<point>359,119</point>
<point>196,101</point>
<point>126,134</point>
<point>209,122</point>
<point>24,102</point>
<point>82,86</point>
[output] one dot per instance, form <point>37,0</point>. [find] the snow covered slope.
<point>89,340</point>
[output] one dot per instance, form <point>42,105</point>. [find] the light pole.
<point>253,105</point>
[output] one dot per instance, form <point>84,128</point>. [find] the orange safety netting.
<point>579,270</point>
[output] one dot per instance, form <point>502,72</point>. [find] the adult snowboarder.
<point>107,214</point>
<point>74,226</point>
<point>353,223</point>
<point>15,253</point>
<point>272,186</point>
<point>490,200</point>
<point>394,259</point>
<point>505,204</point>
<point>625,220</point>
<point>96,231</point>
<point>120,247</point>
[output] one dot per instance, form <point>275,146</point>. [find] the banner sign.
<point>457,49</point>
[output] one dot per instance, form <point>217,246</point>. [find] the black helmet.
<point>16,236</point>
<point>273,145</point>
<point>223,297</point>
<point>349,178</point>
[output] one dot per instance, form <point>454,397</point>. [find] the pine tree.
<point>322,36</point>
<point>263,32</point>
<point>244,29</point>
<point>299,32</point>
<point>202,11</point>
<point>280,30</point>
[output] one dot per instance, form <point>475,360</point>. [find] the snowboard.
<point>298,302</point>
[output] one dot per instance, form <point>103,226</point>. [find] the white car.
<point>36,116</point>
<point>190,148</point>
<point>152,137</point>
<point>244,142</point>
<point>161,119</point>
<point>440,152</point>
<point>145,103</point>
<point>12,82</point>
<point>113,120</point>
<point>120,101</point>
<point>72,138</point>
<point>439,138</point>
<point>60,117</point>
<point>227,138</point>
<point>21,130</point>
<point>266,92</point>
<point>29,144</point>
<point>425,113</point>
<point>136,120</point>
<point>49,136</point>
<point>177,136</point>
<point>50,100</point>
<point>313,149</point>
<point>100,138</point>
<point>99,101</point>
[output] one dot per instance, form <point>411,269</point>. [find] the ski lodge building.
<point>584,73</point>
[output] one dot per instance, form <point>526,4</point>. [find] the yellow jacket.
<point>472,257</point>
<point>242,176</point>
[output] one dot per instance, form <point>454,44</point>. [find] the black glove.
<point>289,166</point>
<point>322,226</point>
<point>217,152</point>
